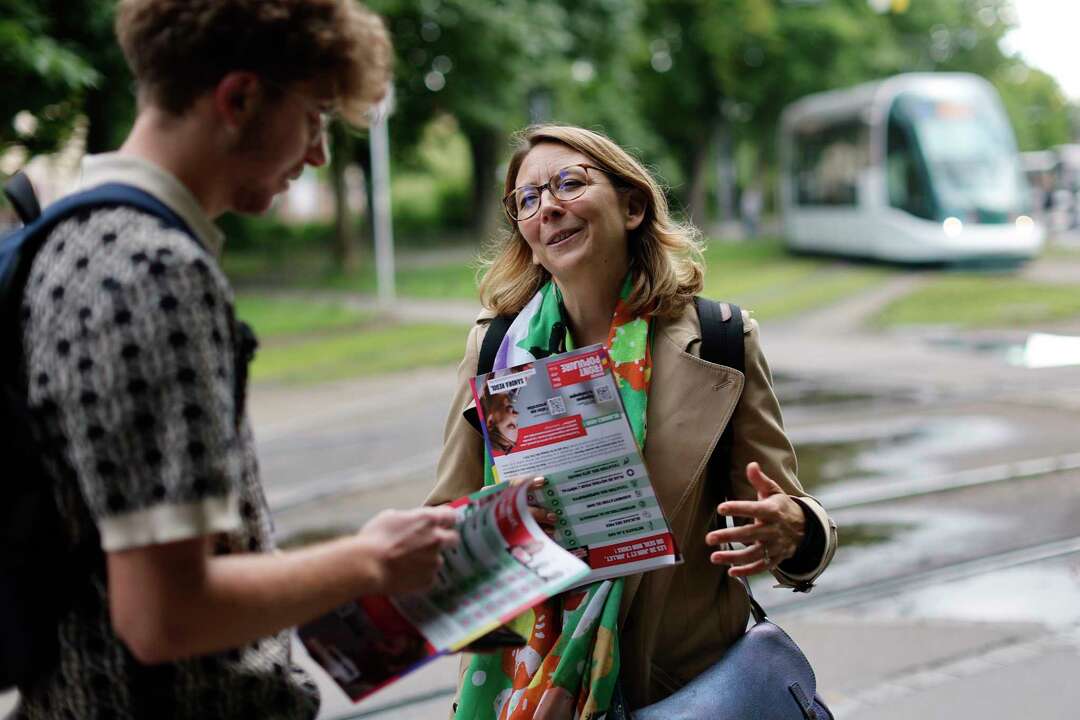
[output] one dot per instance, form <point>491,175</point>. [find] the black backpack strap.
<point>492,340</point>
<point>20,193</point>
<point>721,333</point>
<point>488,350</point>
<point>721,343</point>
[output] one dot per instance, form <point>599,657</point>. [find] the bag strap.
<point>722,343</point>
<point>496,331</point>
<point>22,247</point>
<point>485,363</point>
<point>20,193</point>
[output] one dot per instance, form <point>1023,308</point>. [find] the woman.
<point>593,250</point>
<point>500,418</point>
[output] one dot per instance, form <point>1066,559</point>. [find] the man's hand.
<point>406,546</point>
<point>774,535</point>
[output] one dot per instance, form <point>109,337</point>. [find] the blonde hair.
<point>179,49</point>
<point>665,256</point>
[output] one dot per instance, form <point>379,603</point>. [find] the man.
<point>177,608</point>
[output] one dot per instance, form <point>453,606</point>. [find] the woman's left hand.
<point>774,535</point>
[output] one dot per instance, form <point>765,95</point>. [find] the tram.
<point>916,168</point>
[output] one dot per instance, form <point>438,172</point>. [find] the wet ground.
<point>951,468</point>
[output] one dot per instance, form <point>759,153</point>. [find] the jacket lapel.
<point>690,403</point>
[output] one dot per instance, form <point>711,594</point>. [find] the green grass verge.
<point>272,317</point>
<point>976,302</point>
<point>318,340</point>
<point>762,276</point>
<point>311,270</point>
<point>369,350</point>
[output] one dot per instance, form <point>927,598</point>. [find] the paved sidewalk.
<point>867,670</point>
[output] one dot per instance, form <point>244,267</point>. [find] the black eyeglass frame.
<point>550,185</point>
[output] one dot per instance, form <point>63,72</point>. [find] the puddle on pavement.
<point>1047,592</point>
<point>799,392</point>
<point>831,455</point>
<point>867,534</point>
<point>1038,350</point>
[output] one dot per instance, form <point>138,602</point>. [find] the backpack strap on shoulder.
<point>496,331</point>
<point>721,343</point>
<point>18,249</point>
<point>20,193</point>
<point>493,338</point>
<point>721,333</point>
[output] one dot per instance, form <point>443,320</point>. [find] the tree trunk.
<point>725,172</point>
<point>483,145</point>
<point>100,123</point>
<point>696,201</point>
<point>346,250</point>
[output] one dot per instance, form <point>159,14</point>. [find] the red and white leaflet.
<point>504,565</point>
<point>562,417</point>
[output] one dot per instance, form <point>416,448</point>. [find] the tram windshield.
<point>954,157</point>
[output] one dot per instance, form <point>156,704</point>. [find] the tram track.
<point>890,586</point>
<point>861,494</point>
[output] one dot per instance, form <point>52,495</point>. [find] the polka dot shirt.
<point>130,338</point>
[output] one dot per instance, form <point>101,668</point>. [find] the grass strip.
<point>979,302</point>
<point>369,350</point>
<point>274,317</point>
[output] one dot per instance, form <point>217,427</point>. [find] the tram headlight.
<point>1025,226</point>
<point>952,227</point>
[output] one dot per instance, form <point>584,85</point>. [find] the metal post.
<point>380,202</point>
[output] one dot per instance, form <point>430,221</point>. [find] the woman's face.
<point>505,418</point>
<point>583,237</point>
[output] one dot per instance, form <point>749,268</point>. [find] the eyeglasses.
<point>319,117</point>
<point>569,183</point>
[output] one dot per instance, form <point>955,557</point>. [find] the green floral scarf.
<point>571,661</point>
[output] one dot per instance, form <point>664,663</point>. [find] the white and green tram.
<point>917,168</point>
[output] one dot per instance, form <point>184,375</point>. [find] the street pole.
<point>380,203</point>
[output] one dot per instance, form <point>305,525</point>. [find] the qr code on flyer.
<point>603,393</point>
<point>556,406</point>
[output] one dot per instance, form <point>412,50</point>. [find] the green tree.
<point>718,74</point>
<point>495,65</point>
<point>46,78</point>
<point>1039,111</point>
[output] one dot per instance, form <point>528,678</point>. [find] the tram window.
<point>828,162</point>
<point>906,178</point>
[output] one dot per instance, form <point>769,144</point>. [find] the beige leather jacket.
<point>675,622</point>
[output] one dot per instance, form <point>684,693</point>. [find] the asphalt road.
<point>953,475</point>
<point>872,415</point>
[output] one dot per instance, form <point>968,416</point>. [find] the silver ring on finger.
<point>765,550</point>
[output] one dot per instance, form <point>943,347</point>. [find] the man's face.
<point>285,134</point>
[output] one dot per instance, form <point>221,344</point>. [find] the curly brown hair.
<point>179,49</point>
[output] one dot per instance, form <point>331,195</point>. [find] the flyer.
<point>504,565</point>
<point>562,417</point>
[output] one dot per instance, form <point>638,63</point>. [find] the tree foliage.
<point>678,80</point>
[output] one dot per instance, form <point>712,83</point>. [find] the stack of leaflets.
<point>504,565</point>
<point>562,418</point>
